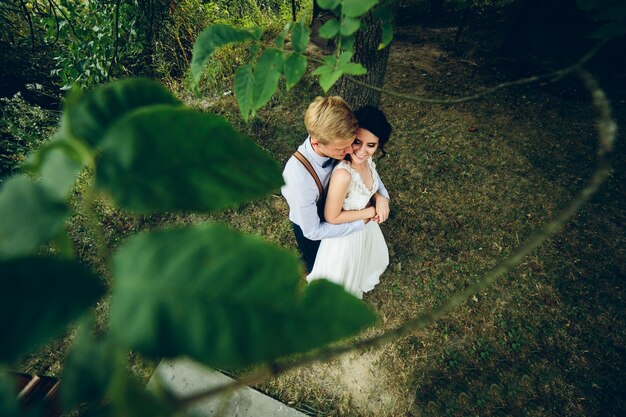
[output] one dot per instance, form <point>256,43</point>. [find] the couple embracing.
<point>336,198</point>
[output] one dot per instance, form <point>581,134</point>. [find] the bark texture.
<point>367,54</point>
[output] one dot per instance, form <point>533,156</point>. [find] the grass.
<point>468,184</point>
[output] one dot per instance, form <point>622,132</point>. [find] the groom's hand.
<point>382,208</point>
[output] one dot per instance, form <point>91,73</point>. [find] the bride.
<point>358,260</point>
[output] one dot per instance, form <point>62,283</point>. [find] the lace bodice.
<point>358,195</point>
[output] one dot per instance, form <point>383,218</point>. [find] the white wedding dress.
<point>358,260</point>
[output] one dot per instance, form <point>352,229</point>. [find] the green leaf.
<point>89,368</point>
<point>353,68</point>
<point>329,29</point>
<point>329,79</point>
<point>328,4</point>
<point>266,76</point>
<point>300,37</point>
<point>280,39</point>
<point>357,8</point>
<point>294,69</point>
<point>39,297</point>
<point>387,35</point>
<point>130,398</point>
<point>8,402</point>
<point>344,58</point>
<point>330,60</point>
<point>244,84</point>
<point>347,43</point>
<point>212,38</point>
<point>383,13</point>
<point>222,298</point>
<point>324,69</point>
<point>30,215</point>
<point>91,115</point>
<point>58,172</point>
<point>177,159</point>
<point>350,25</point>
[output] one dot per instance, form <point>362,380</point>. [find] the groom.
<point>332,128</point>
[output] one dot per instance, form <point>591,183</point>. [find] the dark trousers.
<point>308,248</point>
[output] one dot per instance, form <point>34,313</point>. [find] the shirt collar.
<point>313,156</point>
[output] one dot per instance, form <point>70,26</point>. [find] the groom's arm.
<point>381,201</point>
<point>301,194</point>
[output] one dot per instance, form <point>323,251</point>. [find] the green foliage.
<point>266,76</point>
<point>201,170</point>
<point>235,313</point>
<point>23,127</point>
<point>214,37</point>
<point>89,47</point>
<point>384,14</point>
<point>30,215</point>
<point>300,37</point>
<point>330,29</point>
<point>90,368</point>
<point>611,13</point>
<point>257,80</point>
<point>90,117</point>
<point>205,291</point>
<point>295,67</point>
<point>48,293</point>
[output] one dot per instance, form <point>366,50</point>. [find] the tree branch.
<point>30,25</point>
<point>117,37</point>
<point>607,129</point>
<point>56,19</point>
<point>69,22</point>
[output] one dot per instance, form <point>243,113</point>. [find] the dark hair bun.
<point>374,120</point>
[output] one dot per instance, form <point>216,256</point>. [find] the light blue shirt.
<point>302,194</point>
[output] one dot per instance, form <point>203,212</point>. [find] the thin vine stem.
<point>551,76</point>
<point>607,129</point>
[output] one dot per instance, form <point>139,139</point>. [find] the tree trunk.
<point>367,54</point>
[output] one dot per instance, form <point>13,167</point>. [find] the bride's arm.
<point>337,190</point>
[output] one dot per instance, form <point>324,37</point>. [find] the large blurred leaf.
<point>8,402</point>
<point>58,172</point>
<point>294,69</point>
<point>300,37</point>
<point>38,298</point>
<point>30,215</point>
<point>130,398</point>
<point>357,8</point>
<point>91,115</point>
<point>166,159</point>
<point>89,368</point>
<point>266,76</point>
<point>244,84</point>
<point>222,298</point>
<point>214,37</point>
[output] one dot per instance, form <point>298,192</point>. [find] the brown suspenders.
<point>309,168</point>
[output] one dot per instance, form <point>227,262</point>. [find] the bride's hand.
<point>382,209</point>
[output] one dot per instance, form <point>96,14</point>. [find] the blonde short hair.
<point>330,119</point>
